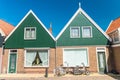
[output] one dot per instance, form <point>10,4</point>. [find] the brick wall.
<point>5,61</point>
<point>20,63</point>
<point>116,54</point>
<point>59,60</point>
<point>0,59</point>
<point>92,57</point>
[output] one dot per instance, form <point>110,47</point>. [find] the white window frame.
<point>66,63</point>
<point>71,32</point>
<point>113,36</point>
<point>30,38</point>
<point>91,35</point>
<point>25,52</point>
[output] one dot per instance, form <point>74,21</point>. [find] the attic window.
<point>30,33</point>
<point>74,32</point>
<point>115,37</point>
<point>86,32</point>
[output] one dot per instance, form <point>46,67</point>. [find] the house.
<point>83,41</point>
<point>113,31</point>
<point>5,29</point>
<point>30,48</point>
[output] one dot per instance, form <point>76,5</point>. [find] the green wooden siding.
<point>80,20</point>
<point>43,39</point>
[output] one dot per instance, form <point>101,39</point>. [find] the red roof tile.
<point>6,27</point>
<point>115,24</point>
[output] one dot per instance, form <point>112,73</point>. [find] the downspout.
<point>55,53</point>
<point>2,53</point>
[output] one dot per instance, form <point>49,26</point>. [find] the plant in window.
<point>37,60</point>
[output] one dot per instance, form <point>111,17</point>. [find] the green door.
<point>12,63</point>
<point>101,62</point>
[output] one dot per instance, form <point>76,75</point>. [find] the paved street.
<point>66,77</point>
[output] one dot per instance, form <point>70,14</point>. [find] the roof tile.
<point>115,24</point>
<point>6,27</point>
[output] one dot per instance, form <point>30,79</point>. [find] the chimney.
<point>50,29</point>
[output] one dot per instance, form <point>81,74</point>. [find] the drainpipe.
<point>2,53</point>
<point>55,58</point>
<point>55,53</point>
<point>46,72</point>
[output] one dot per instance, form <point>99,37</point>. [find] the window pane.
<point>36,58</point>
<point>75,57</point>
<point>30,33</point>
<point>33,33</point>
<point>30,56</point>
<point>74,32</point>
<point>87,32</point>
<point>44,57</point>
<point>116,37</point>
<point>27,33</point>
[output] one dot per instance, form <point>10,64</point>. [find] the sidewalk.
<point>92,76</point>
<point>43,75</point>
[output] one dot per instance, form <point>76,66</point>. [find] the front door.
<point>101,62</point>
<point>12,63</point>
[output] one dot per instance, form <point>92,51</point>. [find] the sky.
<point>59,12</point>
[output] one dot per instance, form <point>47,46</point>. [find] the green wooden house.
<point>83,41</point>
<point>29,47</point>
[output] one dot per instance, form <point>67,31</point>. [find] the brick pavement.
<point>52,77</point>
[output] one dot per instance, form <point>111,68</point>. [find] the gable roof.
<point>114,24</point>
<point>80,10</point>
<point>5,28</point>
<point>31,12</point>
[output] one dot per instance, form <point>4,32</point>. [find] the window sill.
<point>30,39</point>
<point>36,66</point>
<point>87,37</point>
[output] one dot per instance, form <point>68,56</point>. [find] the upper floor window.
<point>74,32</point>
<point>86,32</point>
<point>30,33</point>
<point>115,36</point>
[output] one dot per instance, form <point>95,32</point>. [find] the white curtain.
<point>44,57</point>
<point>33,33</point>
<point>75,57</point>
<point>30,56</point>
<point>27,33</point>
<point>74,32</point>
<point>86,32</point>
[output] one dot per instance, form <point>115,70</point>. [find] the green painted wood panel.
<point>43,39</point>
<point>80,20</point>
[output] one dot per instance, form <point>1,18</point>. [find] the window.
<point>115,36</point>
<point>30,33</point>
<point>86,32</point>
<point>36,58</point>
<point>74,57</point>
<point>13,51</point>
<point>74,32</point>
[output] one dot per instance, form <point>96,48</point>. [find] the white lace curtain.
<point>30,57</point>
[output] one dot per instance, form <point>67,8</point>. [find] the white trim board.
<point>24,19</point>
<point>80,10</point>
<point>2,32</point>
